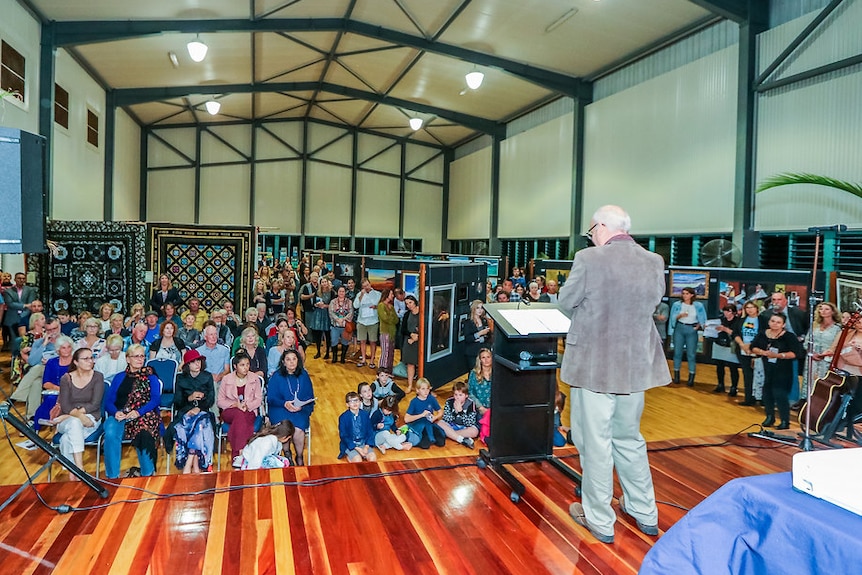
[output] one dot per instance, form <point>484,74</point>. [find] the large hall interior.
<point>450,150</point>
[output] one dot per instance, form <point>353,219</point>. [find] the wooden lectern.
<point>523,388</point>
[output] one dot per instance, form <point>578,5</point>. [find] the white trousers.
<point>606,431</point>
<point>74,434</point>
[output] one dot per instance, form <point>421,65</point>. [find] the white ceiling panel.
<point>400,54</point>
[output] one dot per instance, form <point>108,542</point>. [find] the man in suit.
<point>17,299</point>
<point>613,355</point>
<point>165,293</point>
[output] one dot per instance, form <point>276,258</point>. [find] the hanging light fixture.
<point>197,49</point>
<point>213,107</point>
<point>416,123</point>
<point>474,79</point>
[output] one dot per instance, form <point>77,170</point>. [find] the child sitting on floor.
<point>385,424</point>
<point>384,386</point>
<point>354,429</point>
<point>460,420</point>
<point>366,395</point>
<point>561,432</point>
<point>421,417</point>
<point>264,449</point>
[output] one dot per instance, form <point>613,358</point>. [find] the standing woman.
<point>80,401</point>
<point>162,294</point>
<point>778,349</point>
<point>824,333</point>
<point>166,346</point>
<point>340,314</point>
<point>240,395</point>
<point>477,333</point>
<point>747,330</point>
<point>289,383</point>
<point>193,424</point>
<point>132,406</point>
<point>410,347</point>
<point>388,324</point>
<point>687,316</point>
<point>721,353</point>
<point>319,322</point>
<point>275,298</point>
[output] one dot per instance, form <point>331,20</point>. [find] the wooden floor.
<point>432,511</point>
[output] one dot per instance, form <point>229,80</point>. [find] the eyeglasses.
<point>136,356</point>
<point>589,233</point>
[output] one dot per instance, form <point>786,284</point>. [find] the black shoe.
<point>798,405</point>
<point>468,443</point>
<point>783,425</point>
<point>768,422</point>
<point>425,442</point>
<point>718,389</point>
<point>747,402</point>
<point>732,392</point>
<point>317,355</point>
<point>676,377</point>
<point>690,380</point>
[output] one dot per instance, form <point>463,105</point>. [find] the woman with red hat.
<point>193,424</point>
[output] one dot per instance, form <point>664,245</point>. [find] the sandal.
<point>372,366</point>
<point>360,364</point>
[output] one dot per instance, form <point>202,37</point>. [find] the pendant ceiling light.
<point>197,49</point>
<point>474,79</point>
<point>213,107</point>
<point>416,123</point>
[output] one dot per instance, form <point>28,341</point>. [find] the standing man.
<point>613,355</point>
<point>17,299</point>
<point>367,320</point>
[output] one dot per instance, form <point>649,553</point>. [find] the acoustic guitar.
<point>826,393</point>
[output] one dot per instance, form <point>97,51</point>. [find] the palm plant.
<point>788,178</point>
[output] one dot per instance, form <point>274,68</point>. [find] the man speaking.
<point>613,355</point>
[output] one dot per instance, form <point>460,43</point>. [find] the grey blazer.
<point>15,305</point>
<point>613,345</point>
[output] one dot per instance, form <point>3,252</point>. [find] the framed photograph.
<point>849,294</point>
<point>410,283</point>
<point>344,270</point>
<point>440,311</point>
<point>462,322</point>
<point>380,279</point>
<point>697,280</point>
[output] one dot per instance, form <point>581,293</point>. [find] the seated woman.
<point>460,421</point>
<point>251,344</point>
<point>44,400</point>
<point>113,361</point>
<point>80,402</point>
<point>92,339</point>
<point>240,395</point>
<point>193,424</point>
<point>132,407</point>
<point>288,341</point>
<point>136,315</point>
<point>168,345</point>
<point>289,386</point>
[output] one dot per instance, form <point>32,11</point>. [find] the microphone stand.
<point>805,443</point>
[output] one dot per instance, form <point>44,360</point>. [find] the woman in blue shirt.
<point>687,317</point>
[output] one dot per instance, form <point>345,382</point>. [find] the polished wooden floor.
<point>419,511</point>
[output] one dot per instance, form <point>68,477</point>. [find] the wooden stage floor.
<point>441,515</point>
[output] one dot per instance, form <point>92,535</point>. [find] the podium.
<point>523,388</point>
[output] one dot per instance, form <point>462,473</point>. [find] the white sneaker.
<point>468,442</point>
<point>237,461</point>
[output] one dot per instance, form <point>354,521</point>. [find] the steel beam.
<point>132,96</point>
<point>72,33</point>
<point>736,10</point>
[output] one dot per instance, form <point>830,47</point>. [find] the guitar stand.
<point>831,429</point>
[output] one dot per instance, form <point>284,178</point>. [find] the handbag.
<point>349,328</point>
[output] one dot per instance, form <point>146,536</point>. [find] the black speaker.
<point>22,192</point>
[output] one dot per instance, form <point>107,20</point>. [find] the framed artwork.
<point>440,322</point>
<point>381,279</point>
<point>557,275</point>
<point>462,322</point>
<point>849,295</point>
<point>493,269</point>
<point>697,280</point>
<point>410,283</point>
